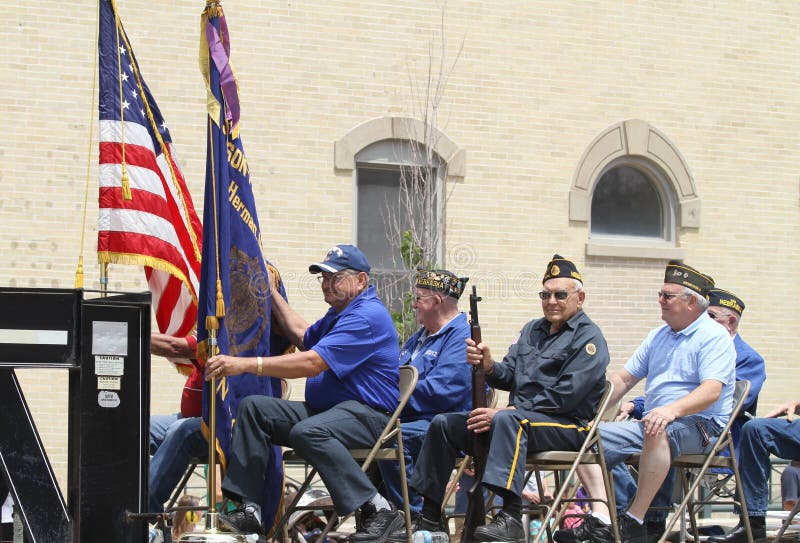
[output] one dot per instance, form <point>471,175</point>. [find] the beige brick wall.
<point>536,82</point>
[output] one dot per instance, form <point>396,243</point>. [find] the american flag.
<point>147,216</point>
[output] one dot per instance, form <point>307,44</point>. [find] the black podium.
<point>104,344</point>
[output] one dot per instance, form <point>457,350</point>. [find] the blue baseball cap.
<point>342,257</point>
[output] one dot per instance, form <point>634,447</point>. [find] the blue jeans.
<point>760,437</point>
<point>623,439</point>
<point>413,436</point>
<point>182,442</point>
<point>159,424</point>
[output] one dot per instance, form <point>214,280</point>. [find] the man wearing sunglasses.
<point>726,309</point>
<point>555,374</point>
<point>349,359</point>
<point>689,365</point>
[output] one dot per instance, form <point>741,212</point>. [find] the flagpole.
<point>104,279</point>
<point>212,533</point>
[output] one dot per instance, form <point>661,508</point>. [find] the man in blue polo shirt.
<point>439,353</point>
<point>350,361</point>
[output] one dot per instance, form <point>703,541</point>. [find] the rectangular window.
<point>391,200</point>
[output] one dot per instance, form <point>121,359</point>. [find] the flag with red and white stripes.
<point>147,216</point>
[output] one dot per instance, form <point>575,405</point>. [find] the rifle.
<point>476,508</point>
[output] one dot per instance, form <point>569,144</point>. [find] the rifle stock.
<point>476,508</point>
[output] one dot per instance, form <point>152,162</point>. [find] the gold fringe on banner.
<point>220,300</point>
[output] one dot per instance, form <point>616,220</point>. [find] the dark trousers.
<point>321,438</point>
<point>513,434</point>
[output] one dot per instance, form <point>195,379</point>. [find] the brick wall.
<point>535,83</point>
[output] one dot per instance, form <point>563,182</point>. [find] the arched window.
<point>635,191</point>
<point>396,190</point>
<point>400,169</point>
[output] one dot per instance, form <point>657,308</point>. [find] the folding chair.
<point>686,463</point>
<point>381,450</point>
<point>286,390</point>
<point>787,522</point>
<point>591,452</point>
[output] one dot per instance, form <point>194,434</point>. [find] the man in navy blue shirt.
<point>350,361</point>
<point>439,353</point>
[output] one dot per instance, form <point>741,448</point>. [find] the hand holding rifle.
<point>479,421</point>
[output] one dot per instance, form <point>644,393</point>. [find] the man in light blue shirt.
<point>689,364</point>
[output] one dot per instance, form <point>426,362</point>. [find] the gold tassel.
<point>79,273</point>
<point>126,184</point>
<point>212,323</point>
<point>220,300</point>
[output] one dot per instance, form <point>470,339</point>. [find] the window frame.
<point>637,143</point>
<point>352,147</point>
<point>667,200</point>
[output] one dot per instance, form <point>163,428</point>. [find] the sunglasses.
<point>668,295</point>
<point>560,295</point>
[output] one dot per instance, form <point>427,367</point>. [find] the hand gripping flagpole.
<point>212,534</point>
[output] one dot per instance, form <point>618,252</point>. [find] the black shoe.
<point>241,520</point>
<point>591,529</point>
<point>739,533</point>
<point>377,526</point>
<point>418,523</point>
<point>655,529</point>
<point>631,531</point>
<point>503,527</point>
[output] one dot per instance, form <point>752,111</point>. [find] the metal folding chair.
<point>381,450</point>
<point>698,465</point>
<point>591,452</point>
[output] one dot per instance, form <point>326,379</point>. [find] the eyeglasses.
<point>423,296</point>
<point>560,295</point>
<point>716,316</point>
<point>336,277</point>
<point>669,295</point>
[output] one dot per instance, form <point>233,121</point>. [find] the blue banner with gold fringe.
<point>233,282</point>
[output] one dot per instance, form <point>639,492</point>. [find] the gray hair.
<point>701,300</point>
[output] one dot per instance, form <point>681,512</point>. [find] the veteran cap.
<point>682,274</point>
<point>342,257</point>
<point>561,267</point>
<point>441,281</point>
<point>723,298</point>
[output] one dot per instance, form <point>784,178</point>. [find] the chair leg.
<point>401,457</point>
<point>281,527</point>
<point>740,493</point>
<point>691,511</point>
<point>787,522</point>
<point>181,486</point>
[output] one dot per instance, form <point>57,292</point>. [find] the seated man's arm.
<point>700,398</point>
<point>623,381</point>
<point>751,368</point>
<point>790,409</point>
<point>290,322</point>
<point>633,409</point>
<point>170,347</point>
<point>447,384</point>
<point>286,366</point>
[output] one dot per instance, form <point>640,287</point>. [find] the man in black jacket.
<point>555,373</point>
